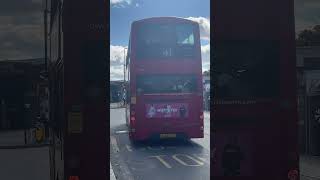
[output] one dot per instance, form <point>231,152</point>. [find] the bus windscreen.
<point>166,40</point>
<point>157,84</point>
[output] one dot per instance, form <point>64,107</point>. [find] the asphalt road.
<point>168,159</point>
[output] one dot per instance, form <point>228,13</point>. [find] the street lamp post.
<point>124,72</point>
<point>124,64</point>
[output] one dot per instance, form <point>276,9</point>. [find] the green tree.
<point>309,37</point>
<point>206,73</point>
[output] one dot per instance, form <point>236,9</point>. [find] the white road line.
<point>114,144</point>
<point>129,148</point>
<point>112,176</point>
<point>199,163</point>
<point>122,132</point>
<point>162,161</point>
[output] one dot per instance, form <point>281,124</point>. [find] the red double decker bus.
<point>254,94</point>
<point>164,79</point>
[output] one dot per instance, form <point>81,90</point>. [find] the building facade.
<point>308,94</point>
<point>19,90</point>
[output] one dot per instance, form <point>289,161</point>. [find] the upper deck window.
<point>150,84</point>
<point>165,41</point>
<point>184,34</point>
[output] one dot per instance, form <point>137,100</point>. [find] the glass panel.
<point>148,84</point>
<point>184,34</point>
<point>155,34</point>
<point>165,41</point>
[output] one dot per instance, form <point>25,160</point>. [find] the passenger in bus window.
<point>174,88</point>
<point>180,86</point>
<point>152,111</point>
<point>183,111</point>
<point>187,86</point>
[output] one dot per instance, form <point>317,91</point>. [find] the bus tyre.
<point>133,141</point>
<point>186,139</point>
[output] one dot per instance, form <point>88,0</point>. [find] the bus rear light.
<point>293,174</point>
<point>132,121</point>
<point>201,128</point>
<point>201,116</point>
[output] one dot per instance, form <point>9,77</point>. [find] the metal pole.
<point>45,35</point>
<point>124,64</point>
<point>25,136</point>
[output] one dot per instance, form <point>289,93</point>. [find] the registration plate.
<point>168,135</point>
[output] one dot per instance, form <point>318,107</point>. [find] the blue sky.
<point>123,12</point>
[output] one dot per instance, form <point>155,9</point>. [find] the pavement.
<point>112,176</point>
<point>25,163</point>
<point>310,167</point>
<point>12,138</point>
<point>23,160</point>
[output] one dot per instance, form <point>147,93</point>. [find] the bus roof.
<point>164,19</point>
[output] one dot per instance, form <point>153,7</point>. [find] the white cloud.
<point>204,24</point>
<point>116,73</point>
<point>120,3</point>
<point>205,54</point>
<point>306,14</point>
<point>116,62</point>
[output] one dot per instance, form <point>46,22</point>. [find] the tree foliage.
<point>308,37</point>
<point>205,73</point>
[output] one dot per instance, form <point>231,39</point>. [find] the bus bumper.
<point>185,134</point>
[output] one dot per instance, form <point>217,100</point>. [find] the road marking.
<point>162,161</point>
<point>151,148</point>
<point>199,163</point>
<point>128,148</point>
<point>200,158</point>
<point>112,175</point>
<point>114,144</point>
<point>122,132</point>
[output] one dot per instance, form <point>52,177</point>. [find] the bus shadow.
<point>156,144</point>
<point>166,143</point>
